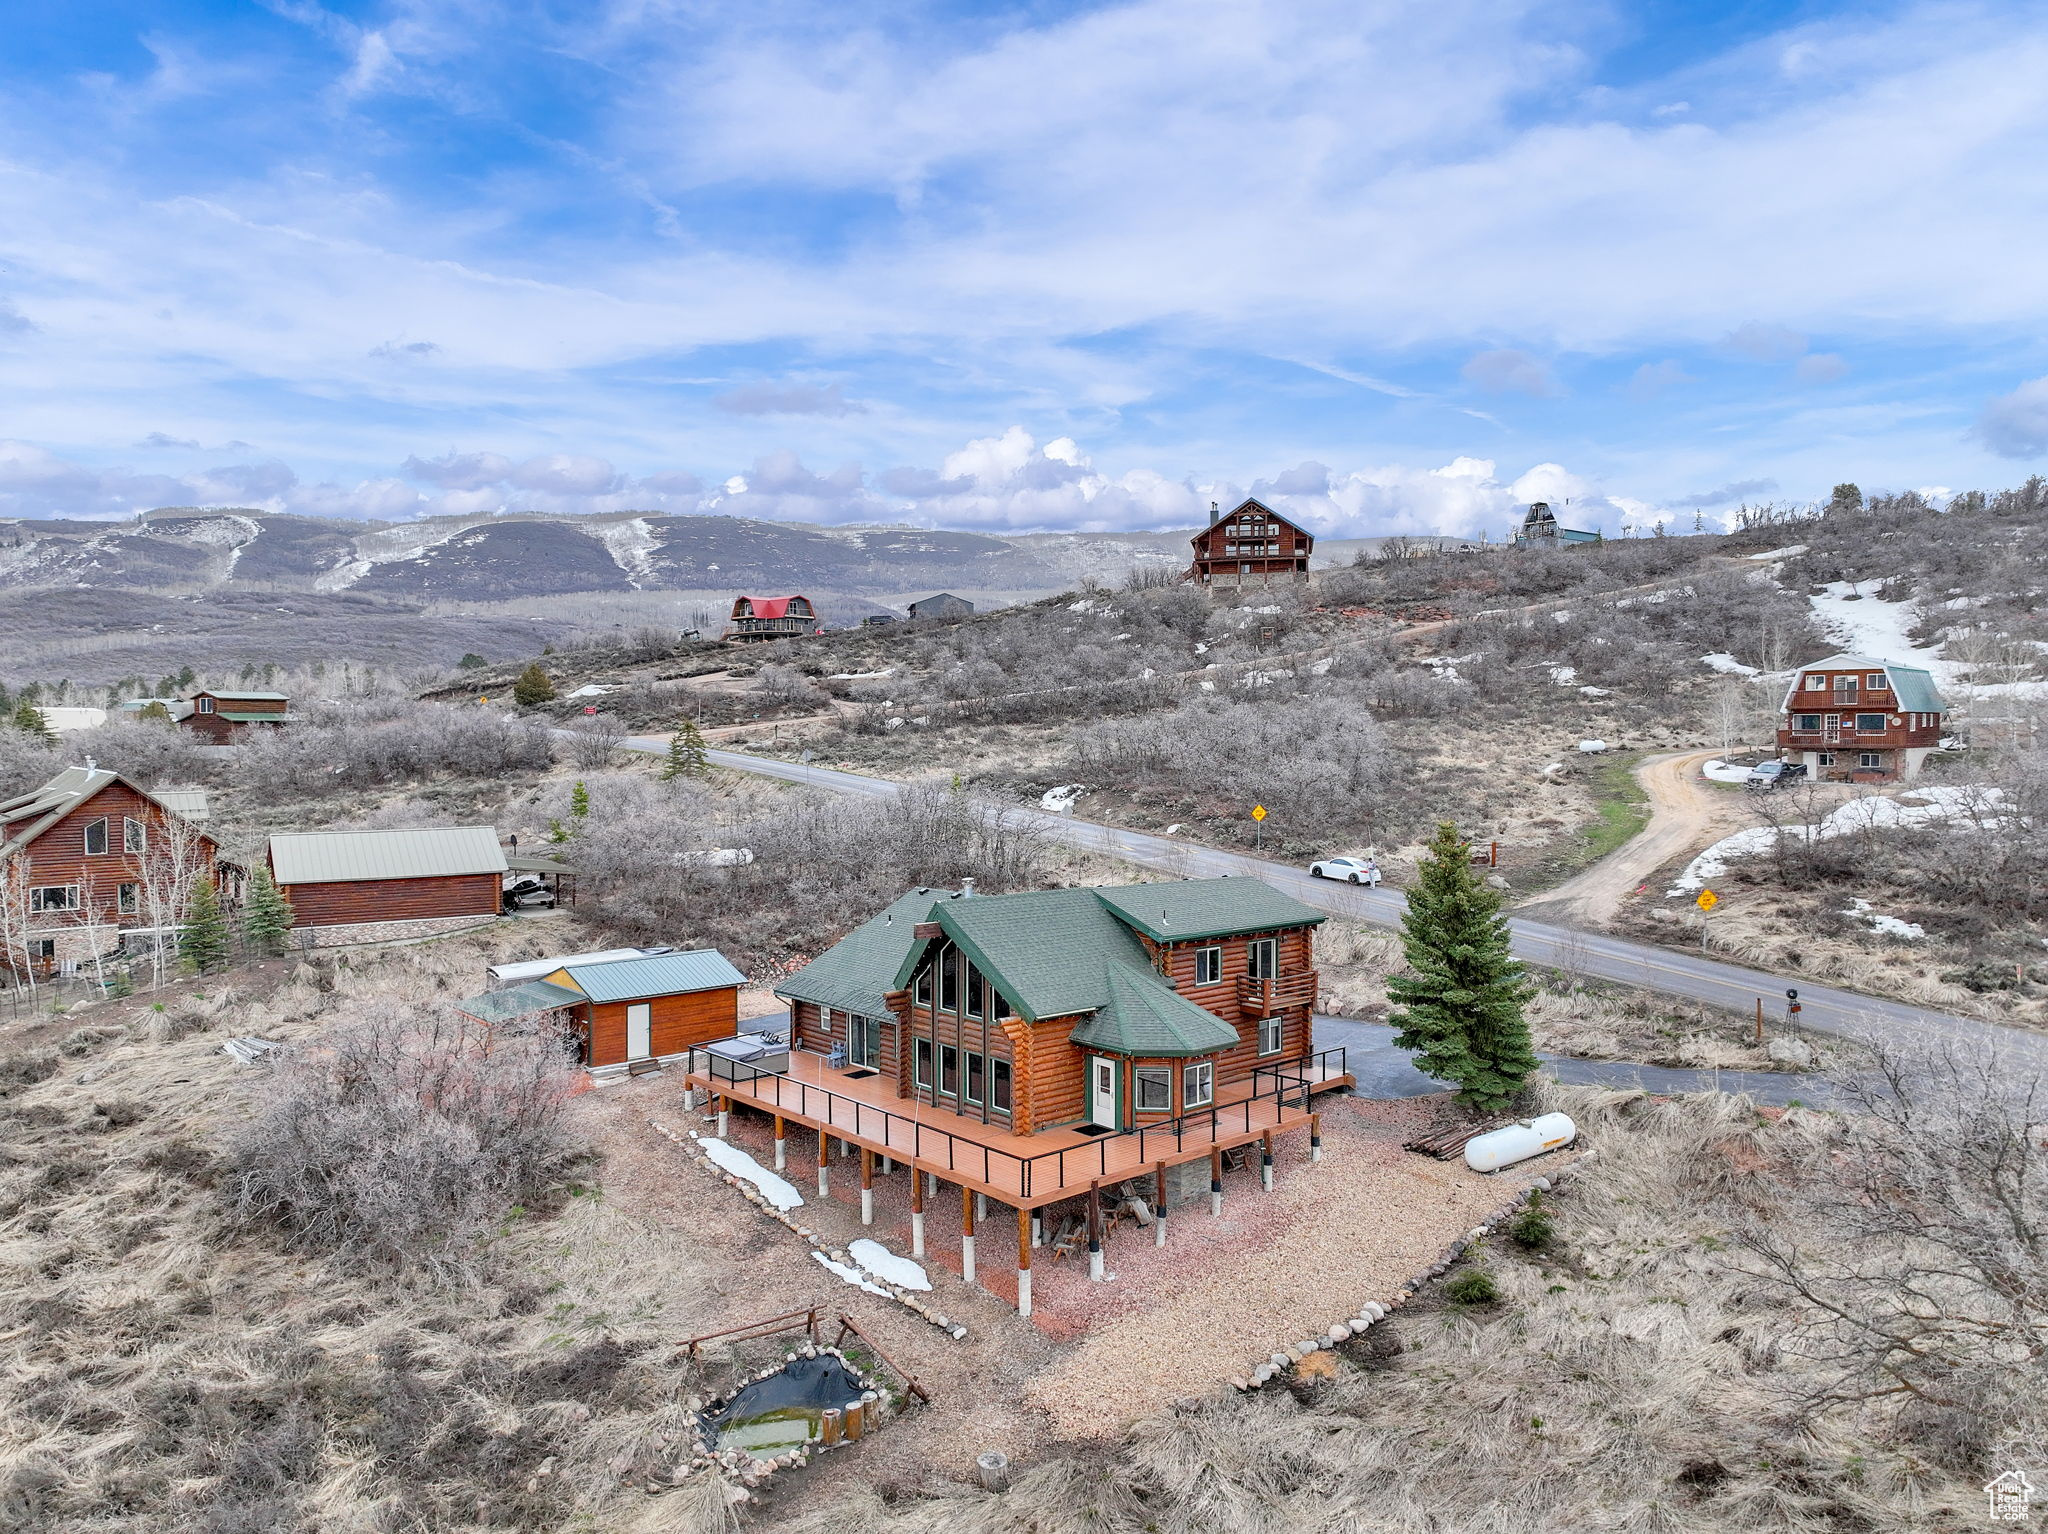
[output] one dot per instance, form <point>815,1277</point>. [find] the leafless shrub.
<point>785,684</point>
<point>595,738</point>
<point>26,761</point>
<point>400,1135</point>
<point>148,753</point>
<point>368,744</point>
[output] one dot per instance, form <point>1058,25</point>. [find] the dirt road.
<point>1687,814</point>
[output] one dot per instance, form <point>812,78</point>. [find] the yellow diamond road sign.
<point>1708,900</point>
<point>1258,812</point>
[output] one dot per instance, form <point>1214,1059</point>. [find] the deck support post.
<point>1266,1160</point>
<point>916,1212</point>
<point>1027,1222</point>
<point>1037,1232</point>
<point>781,1144</point>
<point>845,1148</point>
<point>968,1199</point>
<point>981,1206</point>
<point>724,1108</point>
<point>1315,1137</point>
<point>1095,1231</point>
<point>888,1165</point>
<point>867,1186</point>
<point>1159,1205</point>
<point>824,1163</point>
<point>1215,1180</point>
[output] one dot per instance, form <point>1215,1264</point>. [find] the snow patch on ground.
<point>1890,926</point>
<point>853,1276</point>
<point>861,676</point>
<point>1720,660</point>
<point>731,1158</point>
<point>1869,625</point>
<point>886,1265</point>
<point>1563,676</point>
<point>1591,747</point>
<point>1596,692</point>
<point>1785,553</point>
<point>1061,800</point>
<point>1722,772</point>
<point>1874,813</point>
<point>1563,615</point>
<point>632,546</point>
<point>589,690</point>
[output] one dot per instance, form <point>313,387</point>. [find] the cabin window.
<point>1154,1084</point>
<point>1873,723</point>
<point>1262,958</point>
<point>999,1080</point>
<point>134,835</point>
<point>1197,1084</point>
<point>1875,681</point>
<point>203,705</point>
<point>1806,722</point>
<point>923,1066</point>
<point>54,897</point>
<point>1870,759</point>
<point>949,981</point>
<point>1845,685</point>
<point>1272,1036</point>
<point>128,899</point>
<point>998,1004</point>
<point>1827,758</point>
<point>976,1075</point>
<point>949,1070</point>
<point>1208,965</point>
<point>1244,569</point>
<point>1816,683</point>
<point>922,987</point>
<point>95,837</point>
<point>864,1041</point>
<point>975,1004</point>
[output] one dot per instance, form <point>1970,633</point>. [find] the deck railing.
<point>1277,1087</point>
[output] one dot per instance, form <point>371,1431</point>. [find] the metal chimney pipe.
<point>966,889</point>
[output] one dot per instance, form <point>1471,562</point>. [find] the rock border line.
<point>1374,1311</point>
<point>896,1292</point>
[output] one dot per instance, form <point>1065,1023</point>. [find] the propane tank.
<point>1518,1142</point>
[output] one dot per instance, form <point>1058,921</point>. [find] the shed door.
<point>637,1029</point>
<point>1102,1091</point>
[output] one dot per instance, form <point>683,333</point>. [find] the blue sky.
<point>1397,266</point>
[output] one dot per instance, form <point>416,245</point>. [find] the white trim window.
<point>1197,1084</point>
<point>134,834</point>
<point>203,704</point>
<point>1870,759</point>
<point>1816,684</point>
<point>1153,1085</point>
<point>1262,958</point>
<point>1272,1035</point>
<point>1209,965</point>
<point>53,897</point>
<point>1875,681</point>
<point>96,837</point>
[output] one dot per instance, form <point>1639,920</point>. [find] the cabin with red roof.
<point>772,618</point>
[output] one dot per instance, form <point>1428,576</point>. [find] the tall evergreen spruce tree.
<point>30,721</point>
<point>1460,1007</point>
<point>267,918</point>
<point>686,758</point>
<point>204,942</point>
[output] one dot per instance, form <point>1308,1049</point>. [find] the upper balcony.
<point>1265,997</point>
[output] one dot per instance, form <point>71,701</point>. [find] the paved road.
<point>1592,954</point>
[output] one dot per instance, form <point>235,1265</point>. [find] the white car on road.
<point>1350,870</point>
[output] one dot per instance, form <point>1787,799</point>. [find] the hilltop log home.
<point>221,716</point>
<point>1541,529</point>
<point>90,861</point>
<point>1032,1048</point>
<point>771,618</point>
<point>378,886</point>
<point>1852,719</point>
<point>1251,546</point>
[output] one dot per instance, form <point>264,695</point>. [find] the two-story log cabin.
<point>223,716</point>
<point>771,618</point>
<point>86,860</point>
<point>1251,546</point>
<point>1850,718</point>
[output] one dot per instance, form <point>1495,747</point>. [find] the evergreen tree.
<point>686,758</point>
<point>203,943</point>
<point>557,832</point>
<point>29,719</point>
<point>471,662</point>
<point>187,676</point>
<point>534,686</point>
<point>267,918</point>
<point>1845,500</point>
<point>579,800</point>
<point>154,712</point>
<point>1460,1007</point>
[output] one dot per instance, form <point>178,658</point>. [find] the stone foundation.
<point>78,944</point>
<point>361,933</point>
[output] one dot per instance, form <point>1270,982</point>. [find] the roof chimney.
<point>1215,513</point>
<point>966,889</point>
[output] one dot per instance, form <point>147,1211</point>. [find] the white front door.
<point>1102,1091</point>
<point>636,1030</point>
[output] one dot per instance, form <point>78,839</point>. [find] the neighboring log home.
<point>1850,718</point>
<point>90,862</point>
<point>222,716</point>
<point>1251,546</point>
<point>771,618</point>
<point>376,886</point>
<point>630,1011</point>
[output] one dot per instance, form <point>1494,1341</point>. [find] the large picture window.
<point>921,987</point>
<point>1208,965</point>
<point>54,897</point>
<point>999,1080</point>
<point>976,1077</point>
<point>949,1070</point>
<point>923,1056</point>
<point>1870,724</point>
<point>1197,1084</point>
<point>95,837</point>
<point>949,981</point>
<point>974,985</point>
<point>1262,958</point>
<point>1154,1085</point>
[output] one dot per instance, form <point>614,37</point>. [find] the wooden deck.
<point>1024,1171</point>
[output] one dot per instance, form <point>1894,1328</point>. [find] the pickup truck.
<point>1778,774</point>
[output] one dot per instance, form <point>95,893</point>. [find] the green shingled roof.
<point>856,973</point>
<point>1145,1016</point>
<point>1046,950</point>
<point>1191,908</point>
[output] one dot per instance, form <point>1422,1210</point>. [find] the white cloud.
<point>2015,425</point>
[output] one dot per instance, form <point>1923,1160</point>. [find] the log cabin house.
<point>91,861</point>
<point>1852,719</point>
<point>1541,529</point>
<point>1030,1047</point>
<point>222,716</point>
<point>755,618</point>
<point>1251,546</point>
<point>636,1012</point>
<point>377,886</point>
